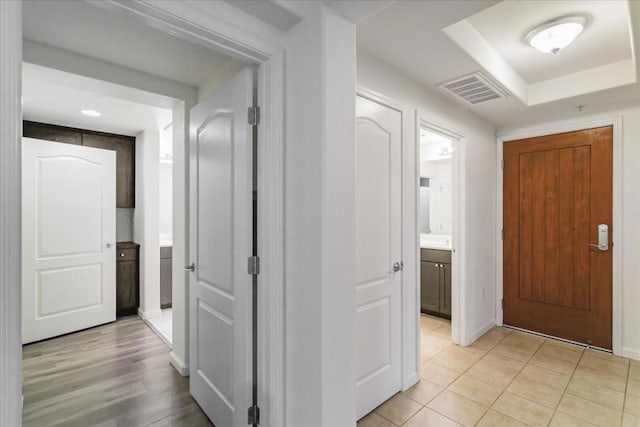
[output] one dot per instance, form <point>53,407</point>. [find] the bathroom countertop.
<point>435,241</point>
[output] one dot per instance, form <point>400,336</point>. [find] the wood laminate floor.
<point>112,375</point>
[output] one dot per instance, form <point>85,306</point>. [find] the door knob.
<point>398,266</point>
<point>109,245</point>
<point>191,267</point>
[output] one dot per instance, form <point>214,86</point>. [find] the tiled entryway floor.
<point>510,378</point>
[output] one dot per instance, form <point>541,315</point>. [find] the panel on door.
<point>221,241</point>
<point>378,247</point>
<point>557,190</point>
<point>68,238</point>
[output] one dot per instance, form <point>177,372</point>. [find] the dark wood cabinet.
<point>430,286</point>
<point>435,282</point>
<point>127,278</point>
<point>125,163</point>
<point>123,145</point>
<point>52,133</point>
<point>445,288</point>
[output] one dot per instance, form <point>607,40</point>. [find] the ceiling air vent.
<point>474,88</point>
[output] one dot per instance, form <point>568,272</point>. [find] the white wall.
<point>225,72</point>
<point>106,77</point>
<point>479,140</point>
<point>630,213</point>
<point>145,221</point>
<point>320,220</point>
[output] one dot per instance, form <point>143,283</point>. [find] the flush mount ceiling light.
<point>556,34</point>
<point>90,113</point>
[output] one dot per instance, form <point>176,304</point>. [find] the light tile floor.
<point>510,378</point>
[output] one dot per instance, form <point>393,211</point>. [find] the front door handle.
<point>398,266</point>
<point>603,238</point>
<point>190,268</point>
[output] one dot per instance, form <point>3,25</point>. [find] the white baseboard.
<point>149,314</point>
<point>631,353</point>
<point>478,333</point>
<point>179,365</point>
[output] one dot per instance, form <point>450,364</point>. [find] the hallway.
<point>112,375</point>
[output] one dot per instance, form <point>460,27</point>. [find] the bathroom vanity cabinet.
<point>435,282</point>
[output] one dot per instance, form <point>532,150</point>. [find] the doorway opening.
<point>163,324</point>
<point>156,218</point>
<point>441,206</point>
<point>435,221</point>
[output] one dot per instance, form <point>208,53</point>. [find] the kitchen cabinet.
<point>123,145</point>
<point>435,282</point>
<point>127,278</point>
<point>52,133</point>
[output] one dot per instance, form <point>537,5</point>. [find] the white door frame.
<point>552,129</point>
<point>459,304</point>
<point>221,31</point>
<point>10,213</point>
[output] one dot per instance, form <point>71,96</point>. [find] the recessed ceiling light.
<point>91,113</point>
<point>556,34</point>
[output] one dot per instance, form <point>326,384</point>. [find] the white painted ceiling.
<point>99,33</point>
<point>267,11</point>
<point>408,36</point>
<point>604,40</point>
<point>51,96</point>
<point>357,10</point>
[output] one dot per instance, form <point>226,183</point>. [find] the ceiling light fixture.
<point>556,34</point>
<point>90,113</point>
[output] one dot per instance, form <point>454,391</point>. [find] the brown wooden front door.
<point>557,190</point>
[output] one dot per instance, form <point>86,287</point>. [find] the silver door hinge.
<point>253,415</point>
<point>502,164</point>
<point>254,116</point>
<point>502,234</point>
<point>503,303</point>
<point>253,265</point>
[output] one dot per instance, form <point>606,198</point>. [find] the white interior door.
<point>378,248</point>
<point>220,244</point>
<point>68,238</point>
